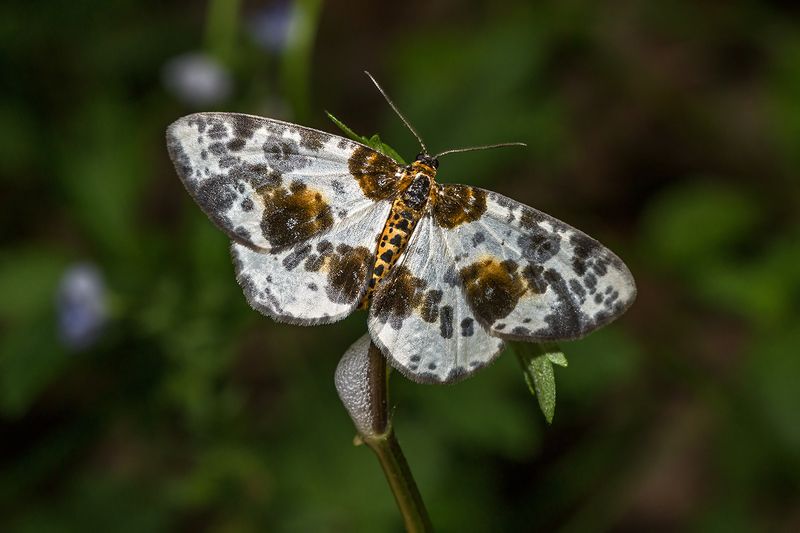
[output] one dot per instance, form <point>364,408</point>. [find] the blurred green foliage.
<point>669,130</point>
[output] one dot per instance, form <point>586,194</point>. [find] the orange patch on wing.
<point>375,173</point>
<point>293,215</point>
<point>402,296</point>
<point>458,204</point>
<point>493,287</point>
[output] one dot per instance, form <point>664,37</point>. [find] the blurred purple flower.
<point>197,79</point>
<point>81,306</point>
<point>269,26</point>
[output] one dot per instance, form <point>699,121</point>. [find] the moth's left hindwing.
<point>303,208</point>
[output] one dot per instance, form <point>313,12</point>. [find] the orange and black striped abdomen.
<point>407,209</point>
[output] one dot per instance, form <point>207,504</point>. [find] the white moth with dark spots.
<point>322,225</point>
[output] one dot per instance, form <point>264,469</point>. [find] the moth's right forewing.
<point>269,184</point>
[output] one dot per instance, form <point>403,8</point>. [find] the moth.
<point>322,226</point>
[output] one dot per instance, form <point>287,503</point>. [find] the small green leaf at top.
<point>537,362</point>
<point>373,142</point>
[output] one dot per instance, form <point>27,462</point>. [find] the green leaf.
<point>537,368</point>
<point>558,358</point>
<point>373,142</point>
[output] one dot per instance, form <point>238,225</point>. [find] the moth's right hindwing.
<point>318,281</point>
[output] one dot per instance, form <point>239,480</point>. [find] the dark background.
<point>139,392</point>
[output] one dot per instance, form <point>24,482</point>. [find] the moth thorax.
<point>416,195</point>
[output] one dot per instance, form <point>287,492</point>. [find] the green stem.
<point>387,449</point>
<point>401,481</point>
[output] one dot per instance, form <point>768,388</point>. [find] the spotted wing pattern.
<point>527,275</point>
<point>420,317</point>
<point>270,185</point>
<point>319,280</point>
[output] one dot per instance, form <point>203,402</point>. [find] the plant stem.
<point>386,447</point>
<point>401,481</point>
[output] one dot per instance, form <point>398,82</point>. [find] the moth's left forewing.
<point>527,275</point>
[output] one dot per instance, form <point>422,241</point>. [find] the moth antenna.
<point>474,148</point>
<point>399,114</point>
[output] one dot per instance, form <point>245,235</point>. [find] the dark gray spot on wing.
<point>446,321</point>
<point>199,121</point>
<point>337,186</point>
<point>533,275</point>
<point>235,145</point>
<point>503,201</point>
<point>430,305</point>
<point>450,277</point>
<point>217,149</point>
<point>566,320</point>
<point>590,281</point>
<point>577,289</point>
<point>456,374</point>
<point>467,327</point>
<point>539,245</point>
<point>227,161</point>
<point>296,256</point>
<point>242,233</point>
<point>584,252</point>
<point>609,312</point>
<point>312,140</point>
<point>216,196</point>
<point>244,126</point>
<point>314,262</point>
<point>257,175</point>
<point>284,155</point>
<point>217,131</point>
<point>180,160</point>
<point>260,299</point>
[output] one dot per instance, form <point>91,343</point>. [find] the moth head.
<point>428,160</point>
